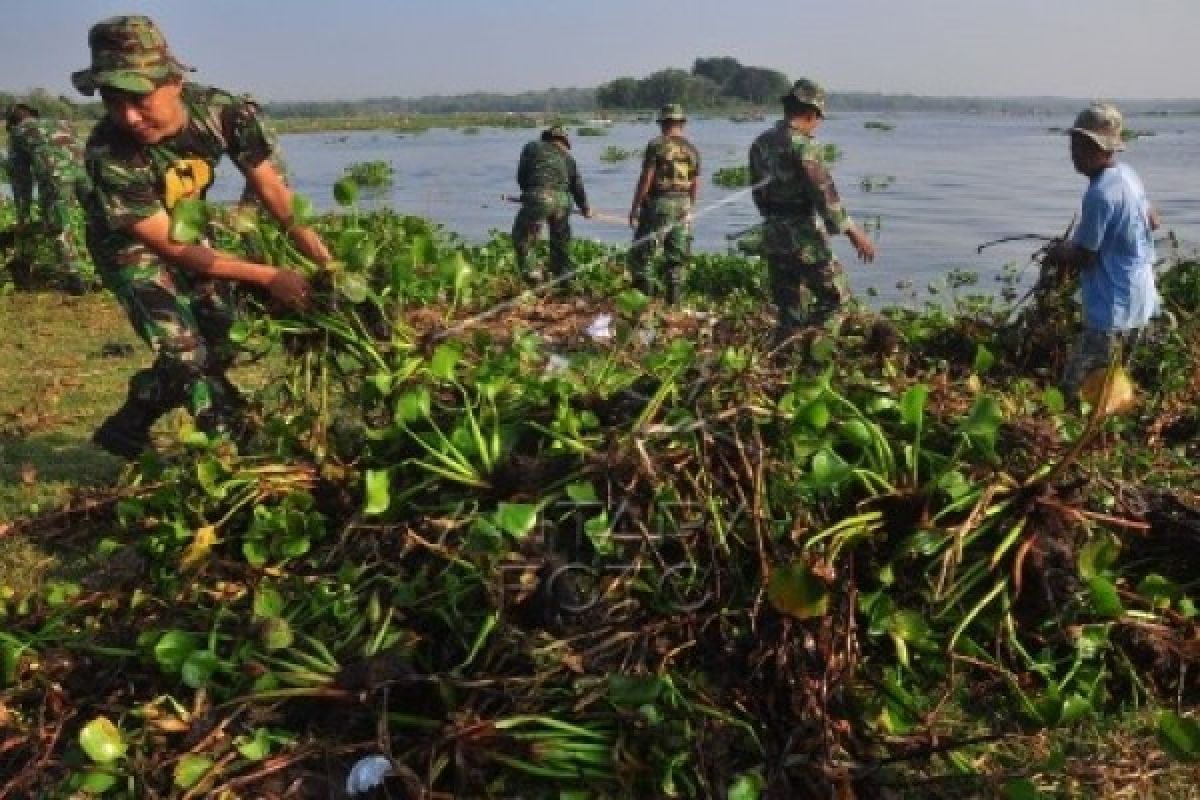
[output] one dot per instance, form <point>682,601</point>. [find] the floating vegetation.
<point>470,130</point>
<point>877,183</point>
<point>584,548</point>
<point>1127,134</point>
<point>371,174</point>
<point>613,154</point>
<point>732,177</point>
<point>739,176</point>
<point>879,125</point>
<point>591,130</point>
<point>1130,134</point>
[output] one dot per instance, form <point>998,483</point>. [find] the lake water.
<point>960,180</point>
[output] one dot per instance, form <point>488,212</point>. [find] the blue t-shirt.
<point>1118,289</point>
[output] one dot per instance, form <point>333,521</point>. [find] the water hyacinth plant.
<point>612,154</point>
<point>732,177</point>
<point>371,174</point>
<point>877,183</point>
<point>511,558</point>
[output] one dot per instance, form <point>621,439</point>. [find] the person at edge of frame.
<point>662,205</point>
<point>158,144</point>
<point>795,193</point>
<point>1111,249</point>
<point>549,180</point>
<point>47,154</point>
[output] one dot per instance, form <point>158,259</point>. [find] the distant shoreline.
<point>390,114</point>
<point>418,123</point>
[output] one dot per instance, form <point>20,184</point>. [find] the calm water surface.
<point>960,180</point>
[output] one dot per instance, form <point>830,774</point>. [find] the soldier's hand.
<point>290,289</point>
<point>310,243</point>
<point>588,213</point>
<point>863,244</point>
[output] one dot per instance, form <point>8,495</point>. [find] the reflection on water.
<point>960,180</point>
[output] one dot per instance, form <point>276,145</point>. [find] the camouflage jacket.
<point>132,182</point>
<point>798,183</point>
<point>45,150</point>
<point>676,164</point>
<point>546,166</point>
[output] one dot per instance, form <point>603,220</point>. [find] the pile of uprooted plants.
<point>477,544</point>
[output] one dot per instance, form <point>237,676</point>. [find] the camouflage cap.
<point>556,132</point>
<point>807,93</point>
<point>671,112</point>
<point>130,54</point>
<point>1101,122</point>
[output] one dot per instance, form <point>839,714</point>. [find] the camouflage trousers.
<point>808,284</point>
<point>552,208</point>
<point>59,200</point>
<point>186,322</point>
<point>663,223</point>
<point>1093,350</point>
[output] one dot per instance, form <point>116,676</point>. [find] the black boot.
<point>127,432</point>
<point>641,280</point>
<point>75,285</point>
<point>673,290</point>
<point>225,395</point>
<point>227,415</point>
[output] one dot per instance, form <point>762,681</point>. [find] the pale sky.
<point>325,50</point>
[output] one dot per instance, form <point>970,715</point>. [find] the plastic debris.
<point>601,328</point>
<point>367,774</point>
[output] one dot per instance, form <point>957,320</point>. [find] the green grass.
<point>56,385</point>
<point>65,363</point>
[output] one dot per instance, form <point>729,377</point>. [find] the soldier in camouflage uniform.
<point>158,144</point>
<point>795,193</point>
<point>662,204</point>
<point>549,181</point>
<point>48,153</point>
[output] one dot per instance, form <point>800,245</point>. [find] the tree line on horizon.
<point>711,84</point>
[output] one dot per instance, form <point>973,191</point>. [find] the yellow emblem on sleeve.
<point>185,179</point>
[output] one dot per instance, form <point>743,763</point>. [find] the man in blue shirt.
<point>1112,249</point>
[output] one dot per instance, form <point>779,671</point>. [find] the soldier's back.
<point>676,163</point>
<point>776,161</point>
<point>544,165</point>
